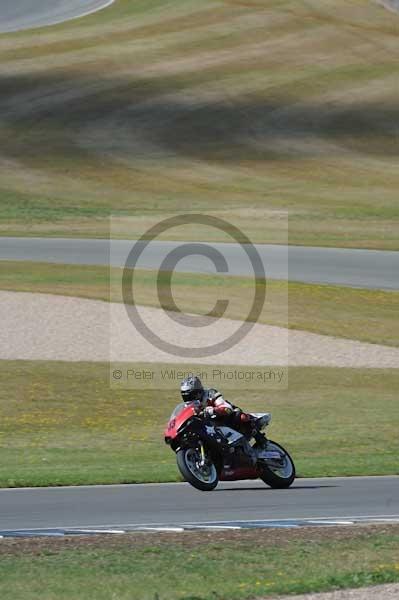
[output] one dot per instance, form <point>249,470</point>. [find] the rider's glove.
<point>210,412</point>
<point>245,418</point>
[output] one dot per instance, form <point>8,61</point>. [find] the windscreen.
<point>179,408</point>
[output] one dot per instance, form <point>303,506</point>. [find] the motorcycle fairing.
<point>237,473</point>
<point>230,436</point>
<point>177,419</point>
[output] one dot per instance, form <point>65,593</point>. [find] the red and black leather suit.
<point>214,405</point>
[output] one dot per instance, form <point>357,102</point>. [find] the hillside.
<point>239,108</point>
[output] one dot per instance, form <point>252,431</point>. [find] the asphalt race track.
<point>374,269</point>
<point>233,504</point>
<point>26,14</point>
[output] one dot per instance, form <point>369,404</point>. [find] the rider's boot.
<point>260,439</point>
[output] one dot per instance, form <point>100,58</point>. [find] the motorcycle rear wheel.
<point>203,478</point>
<point>274,477</point>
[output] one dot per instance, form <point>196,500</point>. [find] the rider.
<point>212,404</point>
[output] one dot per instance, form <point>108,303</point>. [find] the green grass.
<point>241,110</point>
<point>125,568</point>
<point>61,423</point>
<point>366,315</point>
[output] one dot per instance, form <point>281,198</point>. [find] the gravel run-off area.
<point>50,327</point>
<point>379,592</point>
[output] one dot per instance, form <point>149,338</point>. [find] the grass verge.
<point>237,109</point>
<point>239,565</point>
<point>365,315</point>
<point>61,424</point>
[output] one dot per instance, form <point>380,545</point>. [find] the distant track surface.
<point>371,269</point>
<point>16,15</point>
<point>390,4</point>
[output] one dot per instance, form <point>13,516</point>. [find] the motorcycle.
<point>207,453</point>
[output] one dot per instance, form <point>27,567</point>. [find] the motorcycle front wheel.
<point>280,475</point>
<point>202,477</point>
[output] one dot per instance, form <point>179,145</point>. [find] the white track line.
<point>78,530</point>
<point>224,527</point>
<point>81,15</point>
<point>233,521</point>
<point>328,522</point>
<point>86,13</point>
<point>170,529</point>
<point>157,526</point>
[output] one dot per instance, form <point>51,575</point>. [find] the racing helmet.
<point>191,389</point>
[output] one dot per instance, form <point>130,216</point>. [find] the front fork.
<point>202,453</point>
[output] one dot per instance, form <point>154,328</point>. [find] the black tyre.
<point>204,478</point>
<point>278,477</point>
